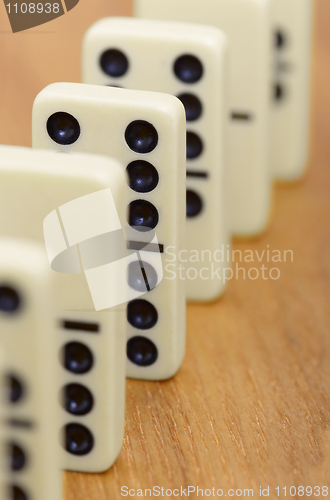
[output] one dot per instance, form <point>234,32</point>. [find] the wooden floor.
<point>251,405</point>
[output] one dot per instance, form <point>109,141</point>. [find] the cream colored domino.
<point>247,26</point>
<point>150,55</point>
<point>133,126</point>
<point>30,412</point>
<point>292,23</point>
<point>33,184</point>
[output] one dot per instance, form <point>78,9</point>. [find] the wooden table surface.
<point>250,406</point>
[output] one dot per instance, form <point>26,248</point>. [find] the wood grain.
<point>251,405</point>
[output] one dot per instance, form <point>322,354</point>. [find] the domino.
<point>190,62</point>
<point>29,411</point>
<point>145,131</point>
<point>90,345</point>
<point>247,24</point>
<point>292,20</point>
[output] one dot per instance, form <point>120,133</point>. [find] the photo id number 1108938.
<point>302,491</point>
<point>33,8</point>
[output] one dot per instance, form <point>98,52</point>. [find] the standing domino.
<point>92,344</point>
<point>30,413</point>
<point>290,121</point>
<point>247,26</point>
<point>188,61</point>
<point>145,131</point>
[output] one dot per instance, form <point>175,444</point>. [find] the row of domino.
<point>244,83</point>
<point>159,181</point>
<point>79,399</point>
<point>90,346</point>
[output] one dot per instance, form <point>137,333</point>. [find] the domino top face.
<point>33,184</point>
<point>190,62</point>
<point>44,181</point>
<point>106,118</point>
<point>140,129</point>
<point>29,416</point>
<point>292,23</point>
<point>247,26</point>
<point>145,66</point>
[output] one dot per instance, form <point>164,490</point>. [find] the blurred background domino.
<point>247,24</point>
<point>292,29</point>
<point>190,62</point>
